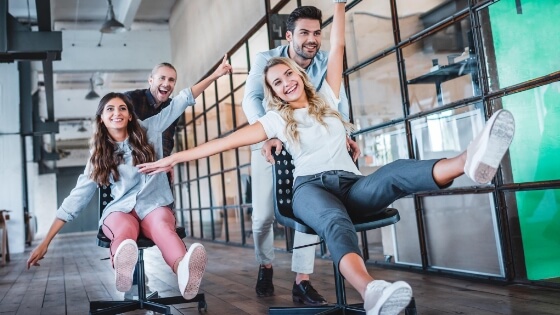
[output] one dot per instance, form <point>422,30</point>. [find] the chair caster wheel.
<point>202,305</point>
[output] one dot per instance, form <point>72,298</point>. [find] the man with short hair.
<point>304,37</point>
<point>147,103</point>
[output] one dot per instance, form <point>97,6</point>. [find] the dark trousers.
<point>327,201</point>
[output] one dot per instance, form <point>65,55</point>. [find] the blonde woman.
<point>328,188</point>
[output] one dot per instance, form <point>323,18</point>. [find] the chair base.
<point>152,303</point>
<point>336,309</point>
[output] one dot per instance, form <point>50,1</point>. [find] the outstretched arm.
<point>336,54</point>
<point>39,252</point>
<point>245,136</point>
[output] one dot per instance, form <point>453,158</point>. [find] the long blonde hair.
<point>317,107</point>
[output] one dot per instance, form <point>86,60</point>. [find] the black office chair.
<point>283,184</point>
<point>151,302</point>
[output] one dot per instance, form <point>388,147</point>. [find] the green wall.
<point>527,46</point>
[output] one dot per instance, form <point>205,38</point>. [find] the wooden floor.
<point>74,272</point>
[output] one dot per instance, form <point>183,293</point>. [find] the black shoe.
<point>306,294</point>
<point>264,285</point>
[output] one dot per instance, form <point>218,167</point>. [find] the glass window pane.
<point>244,155</point>
<point>441,68</point>
<point>212,124</point>
<point>539,219</point>
<point>381,147</point>
<point>535,148</point>
<point>369,30</point>
<point>447,134</point>
<point>239,66</point>
<point>375,93</point>
<point>189,137</point>
<point>417,15</point>
<point>201,138</point>
<point>239,114</point>
<point>535,34</point>
<point>209,97</point>
<point>407,249</point>
<point>215,165</point>
<point>189,113</point>
<point>217,191</point>
<point>232,211</point>
<point>226,116</point>
<point>230,160</point>
<point>224,87</point>
<point>206,196</point>
<point>461,227</point>
<point>258,42</point>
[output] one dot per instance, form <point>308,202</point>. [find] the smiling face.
<point>305,40</point>
<point>115,115</point>
<point>286,82</point>
<point>162,82</point>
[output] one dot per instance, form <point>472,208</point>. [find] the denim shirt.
<point>253,101</point>
<point>133,190</point>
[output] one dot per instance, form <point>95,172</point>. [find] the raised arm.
<point>222,69</point>
<point>336,54</point>
<point>186,98</point>
<point>245,136</point>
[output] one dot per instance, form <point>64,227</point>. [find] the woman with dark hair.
<point>140,202</point>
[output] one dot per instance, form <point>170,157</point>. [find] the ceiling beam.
<point>126,12</point>
<point>44,20</point>
<point>19,42</point>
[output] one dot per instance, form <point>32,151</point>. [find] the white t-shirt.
<point>320,149</point>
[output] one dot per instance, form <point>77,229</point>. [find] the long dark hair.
<point>105,156</point>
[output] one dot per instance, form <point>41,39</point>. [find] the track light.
<point>112,25</point>
<point>91,94</point>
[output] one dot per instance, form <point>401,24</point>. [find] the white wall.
<point>203,30</point>
<point>42,198</point>
<point>11,175</point>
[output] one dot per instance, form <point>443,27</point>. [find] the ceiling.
<point>89,15</point>
<point>113,62</point>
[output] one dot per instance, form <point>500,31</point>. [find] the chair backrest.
<point>104,198</point>
<point>283,176</point>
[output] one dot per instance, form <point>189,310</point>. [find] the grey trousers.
<point>327,201</point>
<point>303,259</point>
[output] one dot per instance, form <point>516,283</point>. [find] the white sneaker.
<point>486,151</point>
<point>124,261</point>
<point>384,298</point>
<point>190,270</point>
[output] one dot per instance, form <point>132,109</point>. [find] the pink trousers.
<point>158,225</point>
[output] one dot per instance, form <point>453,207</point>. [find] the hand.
<point>223,68</point>
<point>37,254</point>
<point>163,165</point>
<point>353,147</point>
<point>266,149</point>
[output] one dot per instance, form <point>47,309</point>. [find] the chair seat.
<point>387,217</point>
<point>142,241</point>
